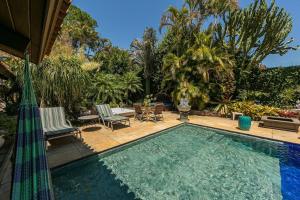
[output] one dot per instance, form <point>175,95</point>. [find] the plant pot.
<point>184,108</point>
<point>184,113</point>
<point>245,123</point>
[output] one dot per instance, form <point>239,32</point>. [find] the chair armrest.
<point>68,121</point>
<point>101,117</point>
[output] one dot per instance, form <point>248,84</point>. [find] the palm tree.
<point>218,8</point>
<point>193,14</point>
<point>144,53</point>
<point>190,73</point>
<point>180,23</point>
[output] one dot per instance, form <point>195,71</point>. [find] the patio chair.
<point>158,112</point>
<point>55,124</point>
<point>138,114</point>
<point>106,115</point>
<point>162,104</point>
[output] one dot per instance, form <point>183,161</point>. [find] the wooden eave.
<point>31,25</point>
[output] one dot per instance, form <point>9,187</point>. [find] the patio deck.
<point>97,138</point>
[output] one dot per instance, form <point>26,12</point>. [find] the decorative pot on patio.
<point>184,110</point>
<point>245,123</point>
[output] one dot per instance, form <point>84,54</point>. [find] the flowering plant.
<point>149,99</point>
<point>288,114</point>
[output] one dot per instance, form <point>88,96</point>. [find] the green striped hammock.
<point>31,178</point>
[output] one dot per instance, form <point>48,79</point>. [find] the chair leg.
<point>80,135</point>
<point>105,124</point>
<point>143,117</point>
<point>46,145</point>
<point>108,125</point>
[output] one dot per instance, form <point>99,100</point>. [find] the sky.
<point>122,21</point>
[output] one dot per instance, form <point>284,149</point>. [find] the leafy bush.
<point>253,110</point>
<point>278,87</point>
<point>8,123</point>
<point>113,88</point>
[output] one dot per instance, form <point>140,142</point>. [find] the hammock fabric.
<point>31,178</point>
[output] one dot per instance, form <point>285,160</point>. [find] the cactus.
<point>257,31</point>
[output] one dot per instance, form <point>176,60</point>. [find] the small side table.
<point>245,123</point>
<point>89,118</point>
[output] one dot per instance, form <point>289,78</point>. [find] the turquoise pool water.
<point>187,162</point>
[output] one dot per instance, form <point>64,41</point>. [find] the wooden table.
<point>147,111</point>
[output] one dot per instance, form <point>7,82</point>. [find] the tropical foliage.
<point>190,73</point>
<point>114,60</point>
<point>8,124</point>
<point>275,86</point>
<point>252,34</point>
<point>217,63</point>
<point>253,110</point>
<point>210,52</point>
<point>114,89</point>
<point>81,28</point>
<point>144,54</point>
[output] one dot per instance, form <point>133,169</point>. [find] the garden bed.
<point>205,113</point>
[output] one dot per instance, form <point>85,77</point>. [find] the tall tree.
<point>189,75</point>
<point>81,29</point>
<point>194,56</point>
<point>115,60</point>
<point>181,27</point>
<point>252,34</point>
<point>144,54</point>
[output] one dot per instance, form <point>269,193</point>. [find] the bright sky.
<point>124,20</point>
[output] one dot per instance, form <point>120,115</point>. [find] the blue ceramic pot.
<point>245,123</point>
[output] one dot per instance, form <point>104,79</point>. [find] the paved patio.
<point>98,138</point>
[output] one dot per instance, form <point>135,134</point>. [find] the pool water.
<point>187,162</point>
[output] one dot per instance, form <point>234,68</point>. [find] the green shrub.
<point>253,110</point>
<point>8,123</point>
<point>278,87</point>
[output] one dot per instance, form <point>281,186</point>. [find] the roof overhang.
<point>31,25</point>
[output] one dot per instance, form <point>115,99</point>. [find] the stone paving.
<point>97,138</point>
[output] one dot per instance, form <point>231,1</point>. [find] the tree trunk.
<point>148,86</point>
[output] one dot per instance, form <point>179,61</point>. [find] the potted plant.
<point>149,100</point>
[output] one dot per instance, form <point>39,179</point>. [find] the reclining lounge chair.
<point>55,124</point>
<point>106,115</point>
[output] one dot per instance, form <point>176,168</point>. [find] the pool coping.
<point>151,135</point>
<point>132,142</point>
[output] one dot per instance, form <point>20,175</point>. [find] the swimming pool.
<point>186,162</point>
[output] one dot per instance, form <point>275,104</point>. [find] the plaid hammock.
<point>31,179</point>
